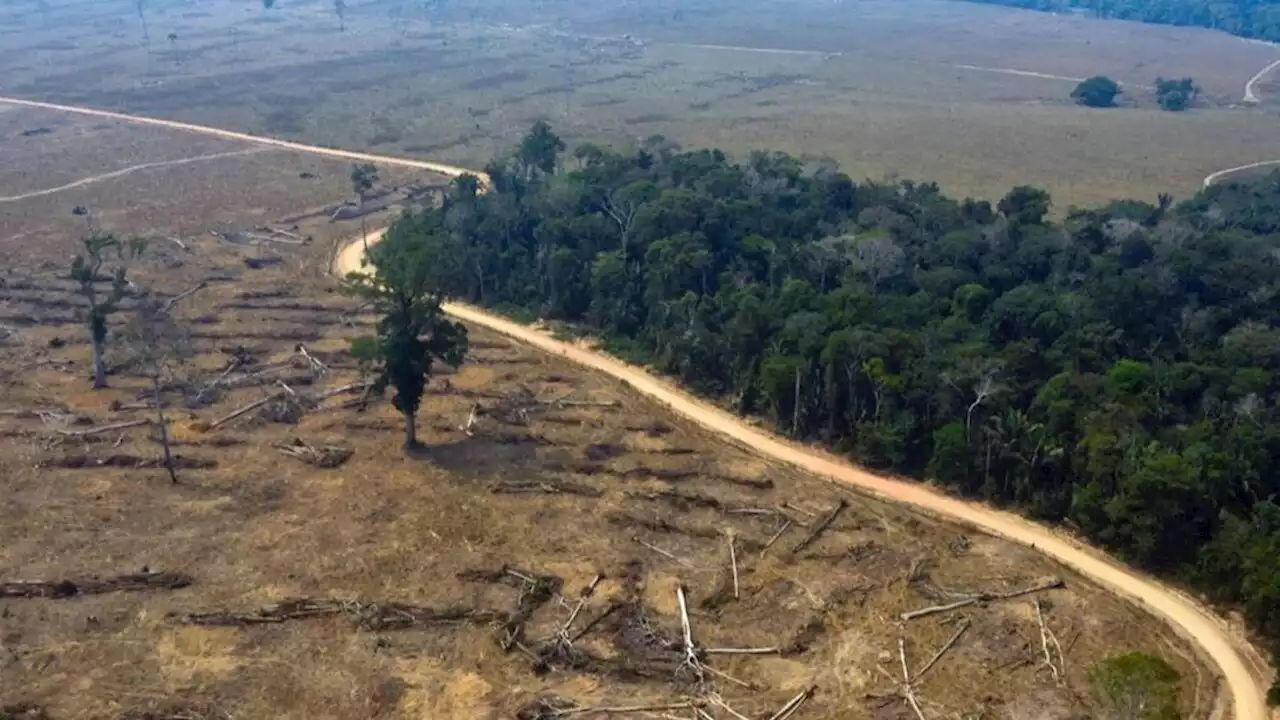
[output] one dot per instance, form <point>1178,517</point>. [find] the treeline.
<point>1118,371</point>
<point>1246,18</point>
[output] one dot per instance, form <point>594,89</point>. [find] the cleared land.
<point>407,564</point>
<point>874,84</point>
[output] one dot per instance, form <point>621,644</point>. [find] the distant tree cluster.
<point>1119,369</point>
<point>1246,18</point>
<point>1102,91</point>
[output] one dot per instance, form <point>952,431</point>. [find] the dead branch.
<point>726,676</point>
<point>246,409</point>
<point>622,709</point>
<point>821,527</point>
<point>1051,584</point>
<point>941,651</point>
<point>104,428</point>
<point>179,243</point>
<point>733,560</point>
<point>168,306</point>
<point>323,394</point>
<point>663,553</point>
<point>317,367</point>
<point>786,711</point>
<point>690,650</point>
<point>587,403</point>
<point>742,651</point>
<point>613,608</point>
<point>327,456</point>
<point>908,692</point>
<point>775,537</point>
<point>1044,643</point>
<point>58,589</point>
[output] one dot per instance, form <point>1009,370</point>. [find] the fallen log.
<point>59,589</point>
<point>104,428</point>
<point>246,409</point>
<point>821,527</point>
<point>1051,584</point>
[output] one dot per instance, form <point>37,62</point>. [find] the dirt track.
<point>1197,623</point>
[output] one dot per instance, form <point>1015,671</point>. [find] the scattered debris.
<point>327,456</point>
<point>1051,584</point>
<point>372,616</point>
<point>59,589</point>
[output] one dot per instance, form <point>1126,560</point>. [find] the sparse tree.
<point>1176,95</point>
<point>539,149</point>
<point>86,270</point>
<point>268,4</point>
<point>340,7</point>
<point>157,345</point>
<point>405,288</point>
<point>363,177</point>
<point>1099,92</point>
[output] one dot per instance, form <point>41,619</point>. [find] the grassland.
<point>874,84</point>
<point>592,480</point>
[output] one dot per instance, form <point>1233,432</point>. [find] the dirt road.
<point>1196,623</point>
<point>129,171</point>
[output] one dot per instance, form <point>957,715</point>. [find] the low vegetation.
<point>1117,370</point>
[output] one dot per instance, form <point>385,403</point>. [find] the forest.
<point>1116,370</point>
<point>1246,18</point>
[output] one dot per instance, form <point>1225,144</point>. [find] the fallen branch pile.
<point>982,597</point>
<point>58,589</point>
<point>326,456</point>
<point>371,616</point>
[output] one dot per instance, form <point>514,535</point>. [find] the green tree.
<point>1099,92</point>
<point>1176,95</point>
<point>340,8</point>
<point>404,288</point>
<point>87,270</point>
<point>1136,686</point>
<point>539,149</point>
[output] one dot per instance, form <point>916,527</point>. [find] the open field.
<point>879,85</point>
<point>601,482</point>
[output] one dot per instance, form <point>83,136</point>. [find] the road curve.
<point>1212,178</point>
<point>1189,619</point>
<point>1249,95</point>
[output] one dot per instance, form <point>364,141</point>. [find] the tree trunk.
<point>99,364</point>
<point>795,407</point>
<point>410,431</point>
<point>164,431</point>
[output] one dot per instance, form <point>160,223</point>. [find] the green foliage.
<point>1176,95</point>
<point>1137,686</point>
<point>1247,18</point>
<point>1099,92</point>
<point>406,286</point>
<point>363,177</point>
<point>1120,369</point>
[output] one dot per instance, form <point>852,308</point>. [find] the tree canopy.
<point>1118,369</point>
<point>1246,18</point>
<point>1099,92</point>
<point>1176,95</point>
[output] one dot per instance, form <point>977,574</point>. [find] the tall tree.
<point>363,177</point>
<point>405,286</point>
<point>87,270</point>
<point>340,8</point>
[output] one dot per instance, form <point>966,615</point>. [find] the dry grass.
<point>879,89</point>
<point>581,490</point>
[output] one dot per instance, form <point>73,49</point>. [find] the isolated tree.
<point>404,287</point>
<point>268,4</point>
<point>86,270</point>
<point>1098,92</point>
<point>363,177</point>
<point>340,7</point>
<point>1136,686</point>
<point>141,5</point>
<point>1176,95</point>
<point>157,345</point>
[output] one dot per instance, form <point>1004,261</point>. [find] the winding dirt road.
<point>1184,615</point>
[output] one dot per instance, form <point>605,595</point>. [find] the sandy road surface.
<point>1188,618</point>
<point>1249,95</point>
<point>1215,177</point>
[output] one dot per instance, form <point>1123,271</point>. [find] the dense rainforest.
<point>1117,371</point>
<point>1246,18</point>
